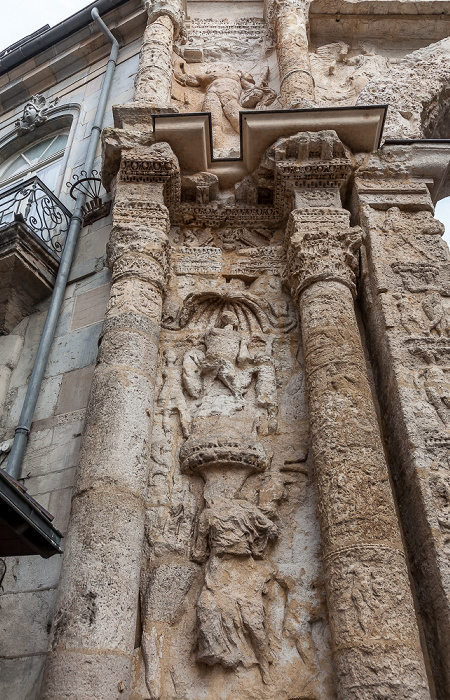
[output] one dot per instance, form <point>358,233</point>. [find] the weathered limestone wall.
<point>406,314</point>
<point>29,586</point>
<point>233,531</point>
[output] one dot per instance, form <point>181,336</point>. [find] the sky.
<point>26,16</point>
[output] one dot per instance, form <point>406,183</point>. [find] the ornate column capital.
<point>320,245</point>
<point>149,179</point>
<point>169,8</point>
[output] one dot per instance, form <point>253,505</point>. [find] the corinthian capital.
<point>320,245</point>
<point>171,8</point>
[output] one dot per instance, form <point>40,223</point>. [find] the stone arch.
<point>60,117</point>
<point>417,90</point>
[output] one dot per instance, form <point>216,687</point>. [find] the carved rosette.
<point>320,245</point>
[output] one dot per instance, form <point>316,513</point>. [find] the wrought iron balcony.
<point>33,228</point>
<point>33,204</point>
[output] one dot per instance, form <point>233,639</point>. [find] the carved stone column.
<point>290,22</point>
<point>374,628</point>
<point>95,617</point>
<point>405,298</point>
<point>154,77</point>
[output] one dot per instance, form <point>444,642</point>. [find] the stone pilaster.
<point>374,628</point>
<point>95,617</point>
<point>154,77</point>
<point>407,315</point>
<point>290,23</point>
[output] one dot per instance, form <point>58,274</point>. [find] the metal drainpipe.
<point>23,429</point>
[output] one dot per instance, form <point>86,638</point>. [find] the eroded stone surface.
<point>233,531</point>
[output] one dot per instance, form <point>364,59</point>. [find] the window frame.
<point>32,169</point>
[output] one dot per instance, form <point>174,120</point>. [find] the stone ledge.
<point>27,274</point>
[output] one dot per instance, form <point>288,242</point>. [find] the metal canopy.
<point>190,135</point>
<point>25,527</point>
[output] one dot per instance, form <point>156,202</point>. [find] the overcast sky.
<point>24,17</point>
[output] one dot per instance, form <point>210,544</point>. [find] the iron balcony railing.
<point>34,204</point>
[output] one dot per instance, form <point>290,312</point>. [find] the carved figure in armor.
<point>233,533</point>
<point>224,357</point>
<point>171,397</point>
<point>227,351</point>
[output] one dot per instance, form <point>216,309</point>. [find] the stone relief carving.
<point>218,407</point>
<point>416,102</point>
<point>232,534</point>
<point>341,72</point>
<point>440,489</point>
<point>171,398</point>
<point>213,63</point>
<point>226,90</point>
<point>437,315</point>
<point>259,315</point>
<point>35,113</point>
<point>436,383</point>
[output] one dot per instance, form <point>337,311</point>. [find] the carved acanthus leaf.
<point>321,245</point>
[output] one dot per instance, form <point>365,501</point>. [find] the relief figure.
<point>437,389</point>
<point>227,90</point>
<point>171,398</point>
<point>234,534</point>
<point>436,313</point>
<point>223,359</point>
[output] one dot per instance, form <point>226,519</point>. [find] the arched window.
<point>42,158</point>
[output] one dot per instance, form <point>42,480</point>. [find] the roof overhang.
<point>190,135</point>
<point>25,527</point>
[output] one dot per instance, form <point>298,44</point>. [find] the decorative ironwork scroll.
<point>32,203</point>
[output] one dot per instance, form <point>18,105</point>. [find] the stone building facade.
<point>243,429</point>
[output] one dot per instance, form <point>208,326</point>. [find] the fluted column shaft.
<point>290,22</point>
<point>94,624</point>
<point>374,629</point>
<point>154,76</point>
